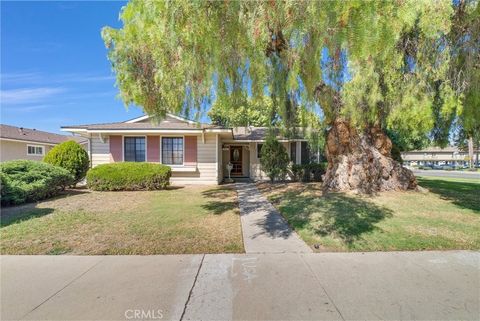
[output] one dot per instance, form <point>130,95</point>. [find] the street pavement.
<point>450,174</point>
<point>281,286</point>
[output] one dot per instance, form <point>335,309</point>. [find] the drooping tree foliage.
<point>369,66</point>
<point>464,72</point>
<point>249,112</point>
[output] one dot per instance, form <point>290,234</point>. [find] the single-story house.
<point>450,155</point>
<point>31,144</point>
<point>198,153</point>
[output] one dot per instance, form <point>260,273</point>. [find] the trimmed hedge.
<point>71,156</point>
<point>308,172</point>
<point>28,181</point>
<point>128,176</point>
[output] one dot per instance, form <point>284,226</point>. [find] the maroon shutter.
<point>116,153</point>
<point>153,149</point>
<point>190,150</point>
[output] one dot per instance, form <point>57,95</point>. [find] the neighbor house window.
<point>259,150</point>
<point>134,149</point>
<point>35,150</point>
<point>172,150</point>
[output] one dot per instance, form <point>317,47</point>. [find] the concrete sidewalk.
<point>264,229</point>
<point>333,286</point>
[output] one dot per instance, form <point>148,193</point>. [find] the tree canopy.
<point>373,63</point>
<point>249,112</point>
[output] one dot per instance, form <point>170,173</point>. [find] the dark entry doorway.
<point>236,160</point>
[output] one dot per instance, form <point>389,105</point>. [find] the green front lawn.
<point>177,220</point>
<point>445,217</point>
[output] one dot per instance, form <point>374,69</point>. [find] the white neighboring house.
<point>31,144</point>
<point>449,155</point>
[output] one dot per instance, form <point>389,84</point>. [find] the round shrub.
<point>71,156</point>
<point>274,159</point>
<point>28,181</point>
<point>128,176</point>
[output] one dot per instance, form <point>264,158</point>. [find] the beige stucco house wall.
<point>15,143</point>
<point>13,150</point>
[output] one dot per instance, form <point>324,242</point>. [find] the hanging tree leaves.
<point>368,64</point>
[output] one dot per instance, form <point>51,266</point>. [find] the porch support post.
<point>299,152</point>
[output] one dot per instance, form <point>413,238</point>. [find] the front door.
<point>236,160</point>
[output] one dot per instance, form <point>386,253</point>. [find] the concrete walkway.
<point>264,229</point>
<point>322,286</point>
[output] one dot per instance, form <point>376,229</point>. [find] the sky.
<point>54,66</point>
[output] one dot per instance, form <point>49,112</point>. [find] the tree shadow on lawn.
<point>17,213</point>
<point>29,213</point>
<point>341,216</point>
<point>218,202</point>
<point>462,194</point>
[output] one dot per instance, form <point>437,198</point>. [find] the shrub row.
<point>128,176</point>
<point>28,181</point>
<point>308,172</point>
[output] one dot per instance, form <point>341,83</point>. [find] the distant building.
<point>450,155</point>
<point>32,144</point>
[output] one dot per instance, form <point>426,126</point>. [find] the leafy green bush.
<point>308,172</point>
<point>396,153</point>
<point>274,159</point>
<point>128,176</point>
<point>71,156</point>
<point>27,181</point>
<point>318,170</point>
<point>297,172</point>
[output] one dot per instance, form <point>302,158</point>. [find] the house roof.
<point>37,136</point>
<point>256,133</point>
<point>170,122</point>
<point>434,149</point>
<point>149,126</point>
<point>174,123</point>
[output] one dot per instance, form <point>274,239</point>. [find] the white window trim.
<point>183,153</point>
<point>123,147</point>
<point>35,146</point>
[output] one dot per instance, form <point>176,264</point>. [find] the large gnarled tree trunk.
<point>362,162</point>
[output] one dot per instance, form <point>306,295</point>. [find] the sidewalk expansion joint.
<point>63,288</point>
<point>323,288</point>
<point>191,290</point>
